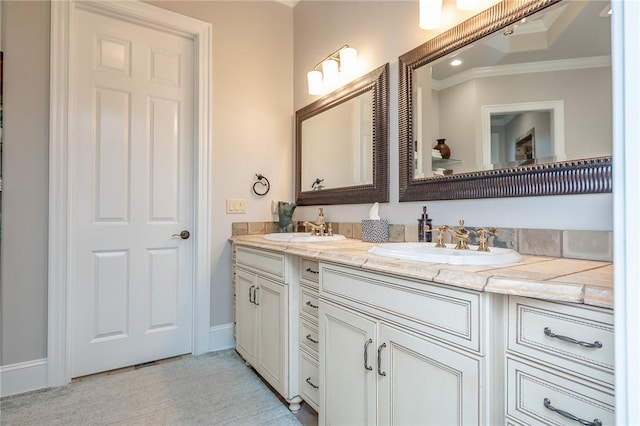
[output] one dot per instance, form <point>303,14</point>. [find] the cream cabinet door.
<point>271,300</point>
<point>424,383</point>
<point>246,316</point>
<point>348,367</point>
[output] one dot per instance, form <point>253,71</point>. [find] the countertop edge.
<point>354,253</point>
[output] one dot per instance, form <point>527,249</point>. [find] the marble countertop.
<point>557,279</point>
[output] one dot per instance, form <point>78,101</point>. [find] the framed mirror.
<point>520,94</point>
<point>342,147</point>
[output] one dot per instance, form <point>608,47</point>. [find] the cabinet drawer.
<point>309,272</point>
<point>445,313</point>
<point>262,261</point>
<point>309,380</point>
<point>309,303</point>
<point>529,318</point>
<point>528,387</point>
<point>309,336</point>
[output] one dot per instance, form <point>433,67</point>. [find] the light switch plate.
<point>236,205</point>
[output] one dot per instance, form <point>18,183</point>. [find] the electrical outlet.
<point>236,205</point>
<point>274,207</point>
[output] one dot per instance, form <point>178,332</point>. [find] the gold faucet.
<point>462,235</point>
<point>317,229</point>
<point>440,236</point>
<point>482,238</point>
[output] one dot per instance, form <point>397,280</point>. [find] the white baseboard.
<point>23,377</point>
<point>221,337</point>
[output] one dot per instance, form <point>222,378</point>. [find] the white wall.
<point>252,118</point>
<point>383,31</point>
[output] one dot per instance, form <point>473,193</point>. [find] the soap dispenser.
<point>425,227</point>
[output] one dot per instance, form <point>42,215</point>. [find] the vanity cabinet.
<point>396,351</point>
<point>364,347</point>
<point>560,363</point>
<point>265,333</point>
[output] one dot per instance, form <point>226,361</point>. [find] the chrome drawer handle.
<point>312,271</point>
<point>311,305</point>
<point>595,422</point>
<point>382,373</point>
<point>308,380</point>
<point>595,344</point>
<point>251,294</point>
<point>366,356</point>
<point>310,338</point>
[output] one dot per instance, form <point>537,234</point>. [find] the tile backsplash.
<point>587,245</point>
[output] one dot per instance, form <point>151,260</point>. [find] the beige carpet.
<point>212,389</point>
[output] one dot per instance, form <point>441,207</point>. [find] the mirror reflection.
<point>536,91</point>
<point>342,144</point>
<point>343,134</point>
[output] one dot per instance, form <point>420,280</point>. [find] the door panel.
<point>271,299</point>
<point>426,383</point>
<point>131,181</point>
<point>347,388</point>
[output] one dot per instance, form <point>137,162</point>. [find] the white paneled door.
<point>131,177</point>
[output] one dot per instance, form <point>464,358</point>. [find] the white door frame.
<point>62,22</point>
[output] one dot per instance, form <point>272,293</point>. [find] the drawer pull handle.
<point>308,380</point>
<point>311,339</point>
<point>312,271</point>
<point>366,356</point>
<point>595,344</point>
<point>382,373</point>
<point>255,296</point>
<point>251,293</point>
<point>595,422</point>
<point>311,305</point>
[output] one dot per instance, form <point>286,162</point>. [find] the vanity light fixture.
<point>337,68</point>
<point>430,11</point>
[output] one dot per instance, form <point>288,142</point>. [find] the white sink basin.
<point>302,237</point>
<point>427,252</point>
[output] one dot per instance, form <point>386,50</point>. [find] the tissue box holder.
<point>375,231</point>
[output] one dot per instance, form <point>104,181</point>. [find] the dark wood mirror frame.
<point>378,82</point>
<point>585,176</point>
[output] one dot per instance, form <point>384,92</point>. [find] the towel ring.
<point>261,188</point>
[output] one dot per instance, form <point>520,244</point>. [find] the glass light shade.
<point>348,61</point>
<point>330,73</point>
<point>466,4</point>
<point>314,82</point>
<point>430,11</point>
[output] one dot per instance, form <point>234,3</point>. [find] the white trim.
<point>626,207</point>
<point>23,377</point>
<point>524,68</point>
<point>62,14</point>
<point>557,116</point>
<point>221,337</point>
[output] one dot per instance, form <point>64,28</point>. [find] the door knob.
<point>184,235</point>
